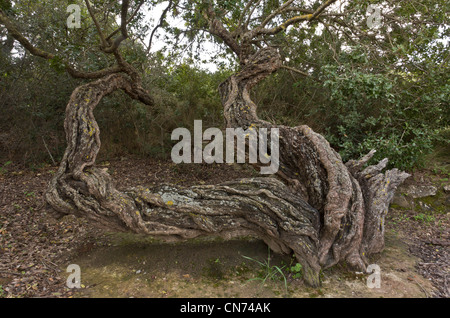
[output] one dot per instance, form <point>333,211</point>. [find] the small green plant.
<point>400,218</point>
<point>3,169</point>
<point>29,194</point>
<point>269,272</point>
<point>2,292</point>
<point>296,270</point>
<point>424,218</point>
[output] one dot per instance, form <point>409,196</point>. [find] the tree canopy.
<point>381,87</point>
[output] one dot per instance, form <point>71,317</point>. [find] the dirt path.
<point>35,249</point>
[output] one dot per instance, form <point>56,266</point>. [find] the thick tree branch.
<point>217,28</point>
<point>93,75</point>
<point>17,35</point>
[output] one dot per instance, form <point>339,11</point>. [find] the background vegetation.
<point>387,90</point>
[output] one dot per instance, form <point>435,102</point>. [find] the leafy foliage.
<point>380,111</point>
<point>382,88</point>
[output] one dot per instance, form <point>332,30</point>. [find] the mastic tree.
<point>323,210</point>
<point>381,88</point>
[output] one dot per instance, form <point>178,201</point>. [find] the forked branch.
<point>299,18</point>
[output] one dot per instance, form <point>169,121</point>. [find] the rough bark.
<point>324,211</point>
<point>351,203</point>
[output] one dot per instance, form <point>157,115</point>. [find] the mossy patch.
<point>436,204</point>
<point>398,207</point>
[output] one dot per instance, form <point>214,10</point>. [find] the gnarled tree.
<point>318,207</point>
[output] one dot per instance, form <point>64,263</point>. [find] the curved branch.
<point>17,35</point>
<point>295,70</point>
<point>160,24</point>
<point>93,75</point>
<point>123,29</point>
<point>293,20</point>
<point>280,10</point>
<point>97,25</point>
<point>217,28</point>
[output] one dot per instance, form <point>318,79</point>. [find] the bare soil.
<point>36,248</point>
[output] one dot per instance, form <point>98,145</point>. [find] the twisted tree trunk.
<point>351,203</point>
<point>325,211</point>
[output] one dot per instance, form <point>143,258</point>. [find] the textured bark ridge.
<point>324,211</point>
<point>351,203</point>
